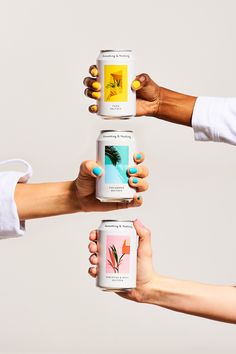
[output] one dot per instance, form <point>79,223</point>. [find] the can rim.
<point>113,130</point>
<point>115,50</point>
<point>116,220</point>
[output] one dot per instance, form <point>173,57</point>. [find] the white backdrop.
<point>48,304</point>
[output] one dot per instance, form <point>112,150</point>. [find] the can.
<point>117,255</point>
<point>116,73</point>
<point>115,152</point>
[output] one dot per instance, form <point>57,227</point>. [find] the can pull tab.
<point>25,175</point>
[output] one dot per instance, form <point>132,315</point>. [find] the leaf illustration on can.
<point>114,87</point>
<point>117,157</point>
<point>115,261</point>
<point>113,154</point>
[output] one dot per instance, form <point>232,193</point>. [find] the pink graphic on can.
<point>117,254</point>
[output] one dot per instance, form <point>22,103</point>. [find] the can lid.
<point>119,131</point>
<point>115,50</point>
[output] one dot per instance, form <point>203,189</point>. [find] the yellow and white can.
<point>116,73</point>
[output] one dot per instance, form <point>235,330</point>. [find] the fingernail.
<point>93,108</point>
<point>97,171</point>
<point>138,222</point>
<point>136,84</point>
<point>133,170</point>
<point>94,71</point>
<point>96,85</point>
<point>135,180</point>
<point>138,156</point>
<point>96,95</point>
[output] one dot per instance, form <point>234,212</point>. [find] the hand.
<point>148,93</point>
<point>86,183</point>
<point>145,272</point>
<point>151,99</point>
<point>217,302</point>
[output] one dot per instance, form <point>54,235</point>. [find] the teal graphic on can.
<point>116,164</point>
<point>115,151</point>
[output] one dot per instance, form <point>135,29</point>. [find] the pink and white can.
<point>117,255</point>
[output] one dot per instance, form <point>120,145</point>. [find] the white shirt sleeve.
<point>10,225</point>
<point>214,119</point>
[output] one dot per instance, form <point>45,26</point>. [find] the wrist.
<point>151,292</point>
<point>175,107</point>
<point>74,201</point>
<point>160,291</point>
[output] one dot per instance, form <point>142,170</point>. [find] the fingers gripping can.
<point>116,73</point>
<point>117,255</point>
<point>115,152</point>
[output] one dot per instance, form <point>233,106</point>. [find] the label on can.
<point>115,83</point>
<point>118,254</point>
<point>115,151</point>
<point>116,164</point>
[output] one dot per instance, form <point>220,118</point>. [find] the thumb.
<point>146,88</point>
<point>144,235</point>
<point>90,168</point>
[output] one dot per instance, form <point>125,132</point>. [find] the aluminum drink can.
<point>115,152</point>
<point>116,73</point>
<point>117,255</point>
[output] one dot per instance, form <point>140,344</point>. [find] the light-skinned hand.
<point>86,186</point>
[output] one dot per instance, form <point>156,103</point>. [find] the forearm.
<point>210,301</point>
<point>176,107</point>
<point>45,199</point>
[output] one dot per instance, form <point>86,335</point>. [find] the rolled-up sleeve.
<point>10,225</point>
<point>214,119</point>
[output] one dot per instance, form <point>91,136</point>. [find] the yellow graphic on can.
<point>115,83</point>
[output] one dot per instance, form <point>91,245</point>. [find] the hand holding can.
<point>117,254</point>
<point>146,274</point>
<point>148,95</point>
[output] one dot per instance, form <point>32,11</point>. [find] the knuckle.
<point>87,163</point>
<point>147,232</point>
<point>145,75</point>
<point>84,164</point>
<point>91,245</point>
<point>145,171</point>
<point>86,81</point>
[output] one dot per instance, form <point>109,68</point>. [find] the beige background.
<point>48,304</point>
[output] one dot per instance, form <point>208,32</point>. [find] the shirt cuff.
<point>10,225</point>
<point>214,119</point>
